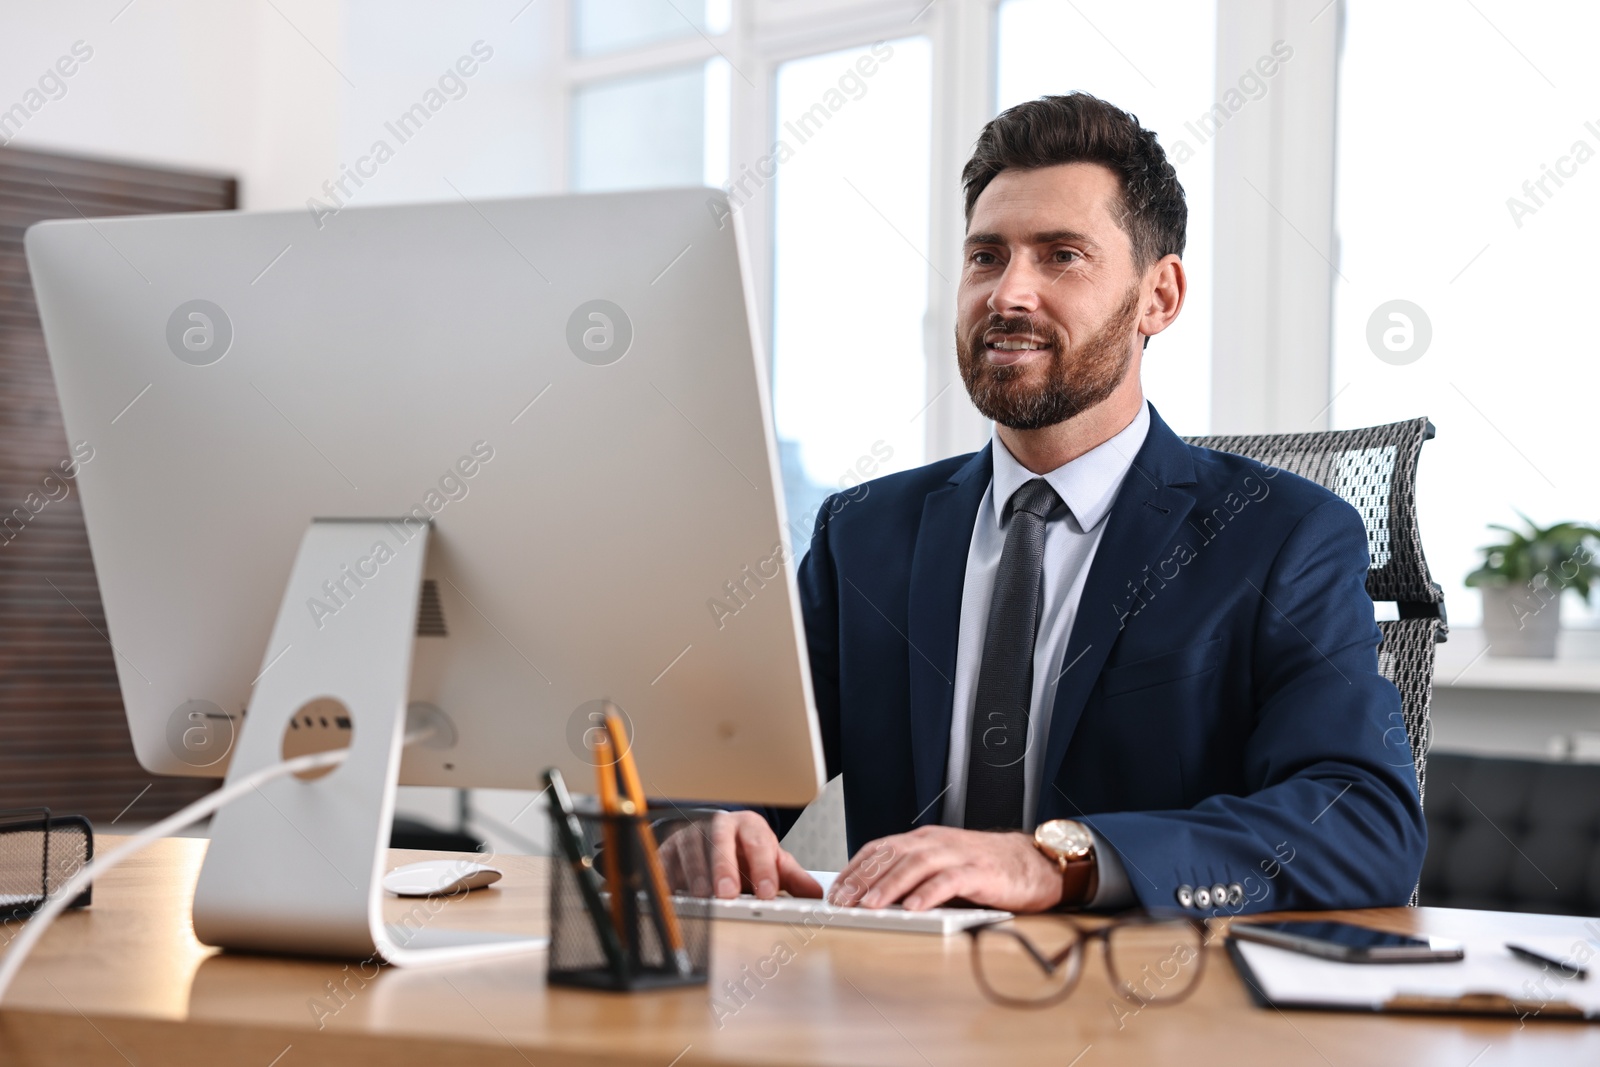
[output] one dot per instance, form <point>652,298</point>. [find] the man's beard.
<point>1074,381</point>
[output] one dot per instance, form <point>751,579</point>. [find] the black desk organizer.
<point>577,955</point>
<point>38,853</point>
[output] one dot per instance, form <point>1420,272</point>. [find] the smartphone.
<point>1349,944</point>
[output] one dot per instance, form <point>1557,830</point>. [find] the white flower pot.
<point>1518,621</point>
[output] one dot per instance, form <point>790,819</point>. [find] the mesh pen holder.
<point>38,853</point>
<point>651,951</point>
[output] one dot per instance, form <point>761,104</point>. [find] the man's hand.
<point>935,864</point>
<point>745,855</point>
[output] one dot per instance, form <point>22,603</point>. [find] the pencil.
<point>647,839</point>
<point>610,807</point>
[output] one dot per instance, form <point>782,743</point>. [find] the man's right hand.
<point>746,856</point>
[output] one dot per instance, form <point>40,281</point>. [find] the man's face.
<point>1049,296</point>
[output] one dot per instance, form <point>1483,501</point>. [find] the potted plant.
<point>1522,579</point>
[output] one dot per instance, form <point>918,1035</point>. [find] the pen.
<point>570,832</point>
<point>666,916</point>
<point>1539,959</point>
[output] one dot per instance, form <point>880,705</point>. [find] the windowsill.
<point>1463,663</point>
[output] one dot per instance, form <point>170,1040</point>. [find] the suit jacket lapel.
<point>1142,523</point>
<point>933,621</point>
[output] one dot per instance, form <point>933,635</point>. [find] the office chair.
<point>1375,469</point>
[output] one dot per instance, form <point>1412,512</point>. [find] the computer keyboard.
<point>819,914</point>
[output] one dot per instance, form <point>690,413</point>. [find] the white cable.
<point>207,805</point>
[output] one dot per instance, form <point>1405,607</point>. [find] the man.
<point>1091,665</point>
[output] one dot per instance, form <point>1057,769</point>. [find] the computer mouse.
<point>439,878</point>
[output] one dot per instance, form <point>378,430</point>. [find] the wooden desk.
<point>126,982</point>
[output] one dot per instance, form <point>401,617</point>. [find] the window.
<point>1466,221</point>
<point>838,234</point>
<point>601,26</point>
<point>653,130</point>
<point>850,271</point>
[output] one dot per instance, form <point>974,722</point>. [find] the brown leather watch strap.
<point>1079,881</point>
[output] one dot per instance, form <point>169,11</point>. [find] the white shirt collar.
<point>1087,485</point>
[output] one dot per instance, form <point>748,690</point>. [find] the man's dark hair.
<point>1079,128</point>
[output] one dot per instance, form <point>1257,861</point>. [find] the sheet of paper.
<point>1294,977</point>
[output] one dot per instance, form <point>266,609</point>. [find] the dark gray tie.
<point>1005,680</point>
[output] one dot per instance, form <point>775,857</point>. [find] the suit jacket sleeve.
<point>1332,817</point>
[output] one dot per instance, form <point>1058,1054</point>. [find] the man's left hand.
<point>935,864</point>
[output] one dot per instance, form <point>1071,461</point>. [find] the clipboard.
<point>1489,981</point>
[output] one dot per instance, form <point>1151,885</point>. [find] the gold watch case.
<point>1064,840</point>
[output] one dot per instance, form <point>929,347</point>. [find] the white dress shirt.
<point>1087,486</point>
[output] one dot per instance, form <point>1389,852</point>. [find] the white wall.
<point>279,94</point>
<point>227,88</point>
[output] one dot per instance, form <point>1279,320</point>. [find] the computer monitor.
<point>502,459</point>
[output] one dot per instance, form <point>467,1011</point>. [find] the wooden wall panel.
<point>63,739</point>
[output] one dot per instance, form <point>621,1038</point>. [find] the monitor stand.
<point>296,866</point>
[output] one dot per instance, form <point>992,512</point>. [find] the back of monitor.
<point>536,429</point>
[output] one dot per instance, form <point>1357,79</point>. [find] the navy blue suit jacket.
<point>1220,717</point>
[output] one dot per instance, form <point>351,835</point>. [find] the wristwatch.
<point>1070,844</point>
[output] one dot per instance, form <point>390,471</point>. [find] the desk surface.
<point>126,982</point>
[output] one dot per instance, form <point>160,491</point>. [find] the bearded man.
<point>1091,665</point>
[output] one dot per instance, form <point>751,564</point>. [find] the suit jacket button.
<point>1185,896</point>
<point>1202,897</point>
<point>1235,894</point>
<point>1219,895</point>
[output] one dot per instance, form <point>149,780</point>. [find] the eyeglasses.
<point>1152,959</point>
